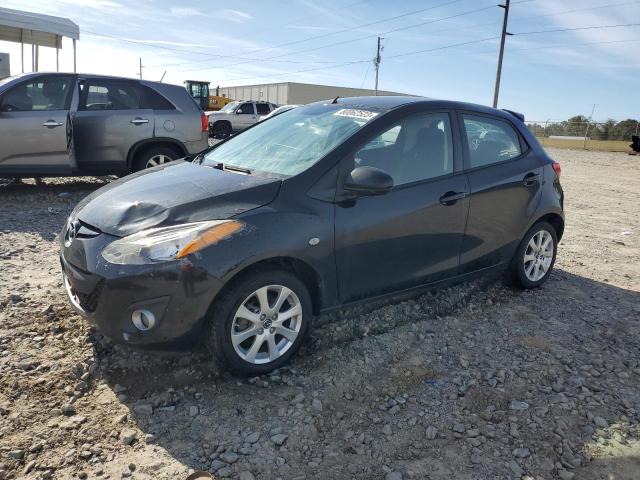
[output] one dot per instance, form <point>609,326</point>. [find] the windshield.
<point>6,80</point>
<point>230,107</point>
<point>292,141</point>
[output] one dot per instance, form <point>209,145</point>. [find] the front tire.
<point>259,322</point>
<point>535,257</point>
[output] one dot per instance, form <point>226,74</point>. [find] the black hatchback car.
<point>322,206</point>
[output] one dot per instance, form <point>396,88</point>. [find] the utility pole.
<point>586,133</point>
<point>140,71</point>
<point>502,40</point>
<point>376,62</point>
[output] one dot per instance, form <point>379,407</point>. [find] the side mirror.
<point>239,111</point>
<point>368,181</point>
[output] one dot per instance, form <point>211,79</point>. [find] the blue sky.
<point>546,75</point>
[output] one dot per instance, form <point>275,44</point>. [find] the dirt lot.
<point>478,381</point>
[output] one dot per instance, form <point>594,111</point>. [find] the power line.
<point>337,64</point>
<point>364,25</point>
<point>164,47</point>
<point>354,62</point>
<point>436,49</point>
<point>595,27</point>
<point>316,37</point>
<point>343,42</point>
<point>306,17</point>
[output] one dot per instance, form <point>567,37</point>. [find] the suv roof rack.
<point>519,116</point>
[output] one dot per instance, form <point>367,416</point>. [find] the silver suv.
<point>236,116</point>
<point>59,124</point>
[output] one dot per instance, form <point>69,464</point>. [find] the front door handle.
<point>52,124</point>
<point>139,121</point>
<point>451,198</point>
<point>530,179</point>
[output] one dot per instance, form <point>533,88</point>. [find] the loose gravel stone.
<point>377,389</point>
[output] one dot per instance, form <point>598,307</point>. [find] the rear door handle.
<point>52,124</point>
<point>530,179</point>
<point>450,198</point>
<point>139,121</point>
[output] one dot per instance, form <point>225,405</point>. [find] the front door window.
<point>44,94</point>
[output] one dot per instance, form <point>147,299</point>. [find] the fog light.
<point>143,320</point>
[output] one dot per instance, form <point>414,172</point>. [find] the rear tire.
<point>536,255</point>
<point>221,130</point>
<point>154,156</point>
<point>259,346</point>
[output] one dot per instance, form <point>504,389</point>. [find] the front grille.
<point>89,301</point>
<point>86,302</point>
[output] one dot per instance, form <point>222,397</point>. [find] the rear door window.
<point>110,95</point>
<point>490,140</point>
<point>263,108</point>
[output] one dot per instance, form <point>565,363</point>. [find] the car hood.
<point>217,114</point>
<point>178,193</point>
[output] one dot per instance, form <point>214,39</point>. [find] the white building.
<point>293,92</point>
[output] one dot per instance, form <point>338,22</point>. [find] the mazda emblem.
<point>70,232</point>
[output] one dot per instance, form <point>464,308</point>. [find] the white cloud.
<point>96,4</point>
<point>237,16</point>
<point>610,16</point>
<point>183,12</point>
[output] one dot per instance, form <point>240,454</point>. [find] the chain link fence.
<point>611,135</point>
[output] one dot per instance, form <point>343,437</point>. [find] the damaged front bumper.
<point>174,295</point>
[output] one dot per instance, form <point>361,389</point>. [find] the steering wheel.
<point>7,107</point>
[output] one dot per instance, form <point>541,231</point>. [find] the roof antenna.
<point>335,100</point>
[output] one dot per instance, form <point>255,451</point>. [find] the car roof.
<point>92,75</point>
<point>386,103</point>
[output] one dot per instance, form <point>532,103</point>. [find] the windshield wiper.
<point>234,168</point>
<point>231,168</point>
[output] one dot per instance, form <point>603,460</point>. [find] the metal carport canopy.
<point>37,29</point>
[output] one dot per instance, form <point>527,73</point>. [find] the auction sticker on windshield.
<point>353,113</point>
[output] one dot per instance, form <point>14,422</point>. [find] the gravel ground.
<point>478,381</point>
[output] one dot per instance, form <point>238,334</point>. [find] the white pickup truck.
<point>236,116</point>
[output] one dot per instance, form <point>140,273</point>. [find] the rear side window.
<point>490,140</point>
<point>109,95</point>
<point>156,101</point>
<point>263,108</point>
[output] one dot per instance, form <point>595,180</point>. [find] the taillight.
<point>205,122</point>
<point>556,167</point>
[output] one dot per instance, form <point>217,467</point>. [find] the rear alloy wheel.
<point>154,157</point>
<point>260,323</point>
<point>535,256</point>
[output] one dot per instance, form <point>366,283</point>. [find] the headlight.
<point>168,243</point>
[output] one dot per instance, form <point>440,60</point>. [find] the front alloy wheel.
<point>259,321</point>
<point>267,324</point>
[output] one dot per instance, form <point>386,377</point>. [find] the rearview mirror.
<point>368,181</point>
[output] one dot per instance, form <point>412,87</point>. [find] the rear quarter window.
<point>155,100</point>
